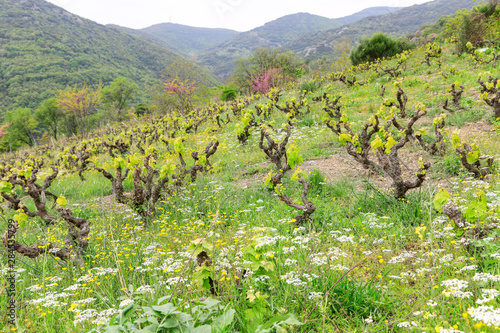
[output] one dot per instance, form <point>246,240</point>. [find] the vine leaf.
<point>441,199</point>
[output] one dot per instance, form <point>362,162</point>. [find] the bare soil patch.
<point>475,129</point>
<point>341,165</point>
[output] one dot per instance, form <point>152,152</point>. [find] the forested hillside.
<point>188,40</point>
<point>398,23</point>
<point>221,59</point>
<point>44,48</point>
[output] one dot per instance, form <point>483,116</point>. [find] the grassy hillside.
<point>221,59</point>
<point>226,253</point>
<point>44,48</point>
<point>398,23</point>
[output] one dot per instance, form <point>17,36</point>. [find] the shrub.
<point>309,86</point>
<point>477,26</point>
<point>272,78</point>
<point>252,70</point>
<point>379,46</point>
<point>141,109</point>
<point>229,93</point>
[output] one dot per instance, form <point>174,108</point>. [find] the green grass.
<point>365,261</point>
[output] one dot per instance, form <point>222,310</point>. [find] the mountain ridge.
<point>44,48</point>
<point>186,39</point>
<point>396,24</point>
<point>221,59</point>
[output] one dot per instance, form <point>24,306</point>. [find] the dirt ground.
<point>340,165</point>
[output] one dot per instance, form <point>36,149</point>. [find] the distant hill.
<point>288,27</point>
<point>44,48</point>
<point>372,11</point>
<point>188,40</point>
<point>221,59</point>
<point>398,23</point>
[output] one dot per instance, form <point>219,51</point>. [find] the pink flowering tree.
<point>2,130</point>
<point>183,94</point>
<point>271,78</point>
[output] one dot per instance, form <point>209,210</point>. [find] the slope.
<point>188,40</point>
<point>221,58</point>
<point>44,48</point>
<point>398,23</point>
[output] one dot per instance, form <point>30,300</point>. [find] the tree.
<point>187,70</point>
<point>118,95</point>
<point>184,86</point>
<point>264,60</point>
<point>3,131</point>
<point>271,78</point>
<point>229,93</point>
<point>49,116</point>
<point>183,93</point>
<point>78,104</point>
<point>22,128</point>
<point>377,47</point>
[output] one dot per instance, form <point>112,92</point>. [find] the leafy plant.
<point>456,95</point>
<point>384,144</point>
<point>118,95</point>
<point>293,109</point>
<point>432,51</point>
<point>307,207</point>
<point>490,93</point>
<point>22,181</point>
<point>203,276</point>
<point>395,70</point>
<point>204,317</point>
<point>471,158</point>
<point>277,153</point>
<point>309,86</point>
<point>229,93</point>
<point>245,128</point>
<point>402,100</point>
<point>377,47</point>
<point>471,216</point>
<point>438,146</point>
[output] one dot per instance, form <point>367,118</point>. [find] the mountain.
<point>44,48</point>
<point>398,23</point>
<point>372,11</point>
<point>188,40</point>
<point>288,27</point>
<point>221,59</point>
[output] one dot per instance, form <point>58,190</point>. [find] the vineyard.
<point>363,201</point>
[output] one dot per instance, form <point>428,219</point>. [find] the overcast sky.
<point>241,15</point>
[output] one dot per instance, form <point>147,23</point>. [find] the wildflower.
<point>485,277</point>
<point>407,324</point>
<point>314,295</point>
<point>486,314</point>
<point>450,330</point>
<point>455,284</point>
<point>125,303</point>
<point>467,268</point>
<point>86,300</point>
<point>420,232</point>
<point>488,295</point>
